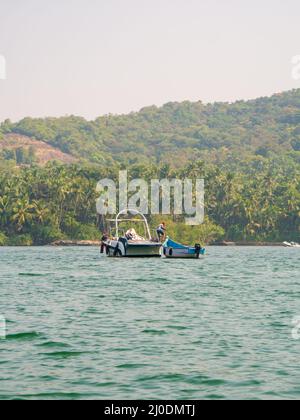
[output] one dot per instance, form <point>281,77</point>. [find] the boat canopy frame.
<point>119,220</point>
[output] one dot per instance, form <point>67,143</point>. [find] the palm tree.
<point>22,213</point>
<point>41,212</point>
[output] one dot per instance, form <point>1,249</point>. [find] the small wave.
<point>155,332</point>
<point>173,377</point>
<point>132,366</point>
<point>177,327</point>
<point>30,275</point>
<point>214,397</point>
<point>24,336</point>
<point>63,354</point>
<point>51,344</point>
<point>197,379</point>
<point>246,383</point>
<point>53,395</point>
<point>105,384</point>
<point>188,379</point>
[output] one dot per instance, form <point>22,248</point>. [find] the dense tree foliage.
<point>21,155</point>
<point>176,132</point>
<point>248,153</point>
<point>260,202</point>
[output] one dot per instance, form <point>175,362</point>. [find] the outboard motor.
<point>198,249</point>
<point>124,242</point>
<point>116,250</point>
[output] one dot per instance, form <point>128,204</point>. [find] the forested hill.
<point>176,132</point>
<point>248,153</point>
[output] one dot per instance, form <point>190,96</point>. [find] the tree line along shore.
<point>257,205</point>
<point>247,152</point>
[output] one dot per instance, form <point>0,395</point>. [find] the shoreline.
<point>224,243</point>
<point>245,243</point>
<point>75,243</point>
<point>70,243</point>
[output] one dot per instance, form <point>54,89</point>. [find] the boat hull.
<point>291,245</point>
<point>125,249</point>
<point>177,253</point>
<point>175,250</point>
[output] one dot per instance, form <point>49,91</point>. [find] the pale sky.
<point>93,57</point>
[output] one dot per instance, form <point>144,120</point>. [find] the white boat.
<point>130,244</point>
<point>291,244</point>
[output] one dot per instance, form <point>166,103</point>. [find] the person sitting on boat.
<point>161,232</point>
<point>129,235</point>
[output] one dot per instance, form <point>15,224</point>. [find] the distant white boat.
<point>291,244</point>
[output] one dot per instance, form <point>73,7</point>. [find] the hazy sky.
<point>92,57</point>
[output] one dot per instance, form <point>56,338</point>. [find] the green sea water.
<point>81,326</point>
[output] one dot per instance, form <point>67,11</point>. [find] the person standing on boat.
<point>161,232</point>
<point>104,238</point>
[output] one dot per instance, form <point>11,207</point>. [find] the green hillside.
<point>176,132</point>
<point>248,153</point>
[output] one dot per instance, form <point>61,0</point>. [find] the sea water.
<point>82,326</point>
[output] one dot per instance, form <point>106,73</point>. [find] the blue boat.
<point>175,250</point>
